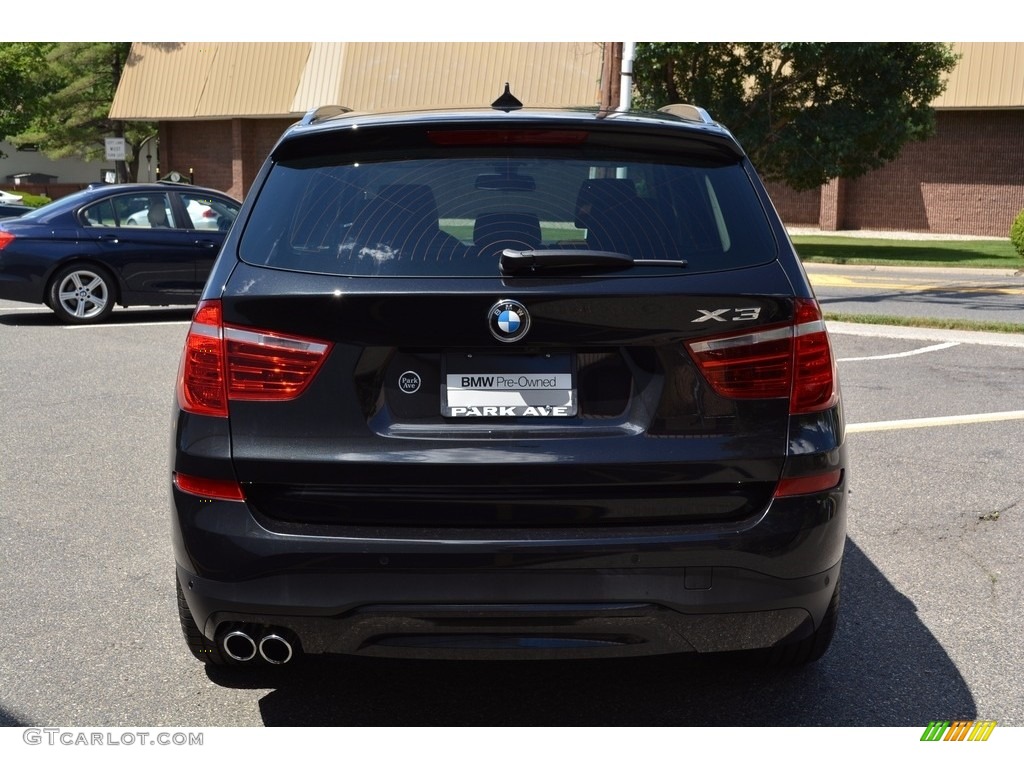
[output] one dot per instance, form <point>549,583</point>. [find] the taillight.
<point>268,366</point>
<point>209,488</point>
<point>798,486</point>
<point>6,238</point>
<point>223,362</point>
<point>201,374</point>
<point>793,361</point>
<point>814,379</point>
<point>507,137</point>
<point>751,365</point>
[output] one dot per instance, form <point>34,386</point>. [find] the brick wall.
<point>259,138</point>
<point>796,208</point>
<point>204,146</point>
<point>968,179</point>
<point>223,154</point>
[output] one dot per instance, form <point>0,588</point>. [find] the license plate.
<point>506,386</point>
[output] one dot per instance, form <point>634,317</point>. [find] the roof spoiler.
<point>689,112</point>
<point>323,113</point>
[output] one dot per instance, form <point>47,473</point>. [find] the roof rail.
<point>322,113</point>
<point>689,112</point>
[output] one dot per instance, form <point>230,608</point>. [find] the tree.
<point>72,118</point>
<point>805,112</point>
<point>23,82</point>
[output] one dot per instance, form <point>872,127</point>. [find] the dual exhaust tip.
<point>242,646</point>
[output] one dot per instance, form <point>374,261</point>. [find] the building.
<point>967,179</point>
<point>221,106</point>
<point>24,169</point>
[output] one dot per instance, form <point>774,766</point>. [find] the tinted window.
<point>151,210</point>
<point>455,215</point>
<point>208,212</point>
<point>100,214</point>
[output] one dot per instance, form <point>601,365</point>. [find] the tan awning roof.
<point>988,76</point>
<point>184,81</point>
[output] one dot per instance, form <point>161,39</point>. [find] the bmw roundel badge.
<point>508,320</point>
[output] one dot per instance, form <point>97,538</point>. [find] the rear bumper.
<point>515,593</point>
<point>762,613</point>
<point>18,287</point>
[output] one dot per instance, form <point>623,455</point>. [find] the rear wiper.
<point>513,261</point>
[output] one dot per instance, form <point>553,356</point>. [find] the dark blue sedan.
<point>127,244</point>
<point>13,210</point>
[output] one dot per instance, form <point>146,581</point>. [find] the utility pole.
<point>611,66</point>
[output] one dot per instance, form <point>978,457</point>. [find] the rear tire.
<point>201,648</point>
<point>81,293</point>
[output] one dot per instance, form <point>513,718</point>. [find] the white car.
<point>7,197</point>
<point>202,215</point>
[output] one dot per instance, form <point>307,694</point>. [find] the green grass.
<point>551,232</point>
<point>995,254</point>
<point>927,322</point>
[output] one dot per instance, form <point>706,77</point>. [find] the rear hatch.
<point>510,328</point>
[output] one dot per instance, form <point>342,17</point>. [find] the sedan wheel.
<point>80,294</point>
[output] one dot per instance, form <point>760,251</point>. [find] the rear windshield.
<point>454,216</point>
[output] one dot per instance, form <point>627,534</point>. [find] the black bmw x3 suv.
<point>508,383</point>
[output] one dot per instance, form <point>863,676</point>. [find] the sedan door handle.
<point>109,238</point>
<point>208,243</point>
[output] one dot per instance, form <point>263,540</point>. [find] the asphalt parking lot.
<point>929,628</point>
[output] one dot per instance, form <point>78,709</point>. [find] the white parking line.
<point>948,339</point>
<point>920,351</point>
<point>938,421</point>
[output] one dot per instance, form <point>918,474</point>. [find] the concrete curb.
<point>952,272</point>
<point>927,334</point>
<point>876,234</point>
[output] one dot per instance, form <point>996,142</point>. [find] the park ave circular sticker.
<point>409,382</point>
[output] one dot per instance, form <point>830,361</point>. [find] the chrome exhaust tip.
<point>239,646</point>
<point>275,649</point>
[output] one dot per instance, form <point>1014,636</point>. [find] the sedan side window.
<point>151,210</point>
<point>207,212</point>
<point>100,214</point>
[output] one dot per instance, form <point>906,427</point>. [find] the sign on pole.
<point>115,149</point>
